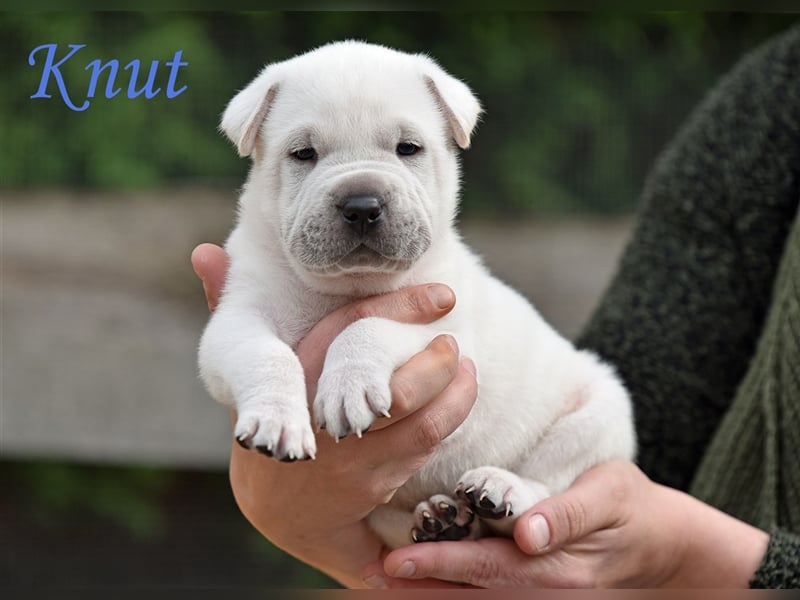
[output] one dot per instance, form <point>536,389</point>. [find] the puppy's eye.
<point>305,154</point>
<point>407,148</point>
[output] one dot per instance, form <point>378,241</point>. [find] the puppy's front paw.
<point>350,396</point>
<point>441,518</point>
<point>497,494</point>
<point>276,430</point>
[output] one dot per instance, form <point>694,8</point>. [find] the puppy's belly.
<point>532,382</point>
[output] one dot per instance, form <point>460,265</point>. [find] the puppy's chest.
<point>293,315</point>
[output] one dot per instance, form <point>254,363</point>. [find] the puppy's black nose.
<point>361,212</point>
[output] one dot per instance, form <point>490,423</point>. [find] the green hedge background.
<point>577,104</point>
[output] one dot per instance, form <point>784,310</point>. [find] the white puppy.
<point>353,192</point>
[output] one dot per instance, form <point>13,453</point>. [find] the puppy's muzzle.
<point>361,213</point>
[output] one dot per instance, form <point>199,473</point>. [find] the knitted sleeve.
<point>682,316</point>
<point>781,565</point>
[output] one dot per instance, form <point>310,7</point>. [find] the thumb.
<point>210,263</point>
<point>593,502</point>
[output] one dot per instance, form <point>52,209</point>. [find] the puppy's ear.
<point>456,101</point>
<point>246,112</point>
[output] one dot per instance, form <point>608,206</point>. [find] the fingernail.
<point>539,532</point>
<point>452,341</point>
<point>469,365</point>
<point>375,582</point>
<point>196,259</point>
<point>441,295</point>
<point>407,569</point>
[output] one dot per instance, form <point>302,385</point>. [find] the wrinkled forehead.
<point>346,97</point>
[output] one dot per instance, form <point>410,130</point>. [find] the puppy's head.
<point>354,159</point>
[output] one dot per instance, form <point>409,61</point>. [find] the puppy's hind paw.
<point>497,494</point>
<point>441,518</point>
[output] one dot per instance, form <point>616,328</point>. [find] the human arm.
<point>315,510</point>
<point>682,317</point>
<point>612,528</point>
<point>698,320</point>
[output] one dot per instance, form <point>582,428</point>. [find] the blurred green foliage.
<point>82,526</point>
<point>577,104</point>
<point>125,496</point>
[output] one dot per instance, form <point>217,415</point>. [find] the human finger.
<point>395,453</point>
<point>487,563</point>
<point>596,500</point>
<point>417,304</point>
<point>375,577</point>
<point>426,375</point>
<point>210,263</point>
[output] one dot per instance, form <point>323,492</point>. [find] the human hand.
<point>315,510</point>
<point>612,528</point>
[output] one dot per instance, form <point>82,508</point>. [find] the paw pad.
<point>442,518</point>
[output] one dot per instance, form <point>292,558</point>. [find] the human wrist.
<point>718,550</point>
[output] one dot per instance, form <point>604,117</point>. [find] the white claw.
<point>386,414</point>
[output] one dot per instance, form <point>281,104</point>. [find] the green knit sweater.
<point>702,319</point>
